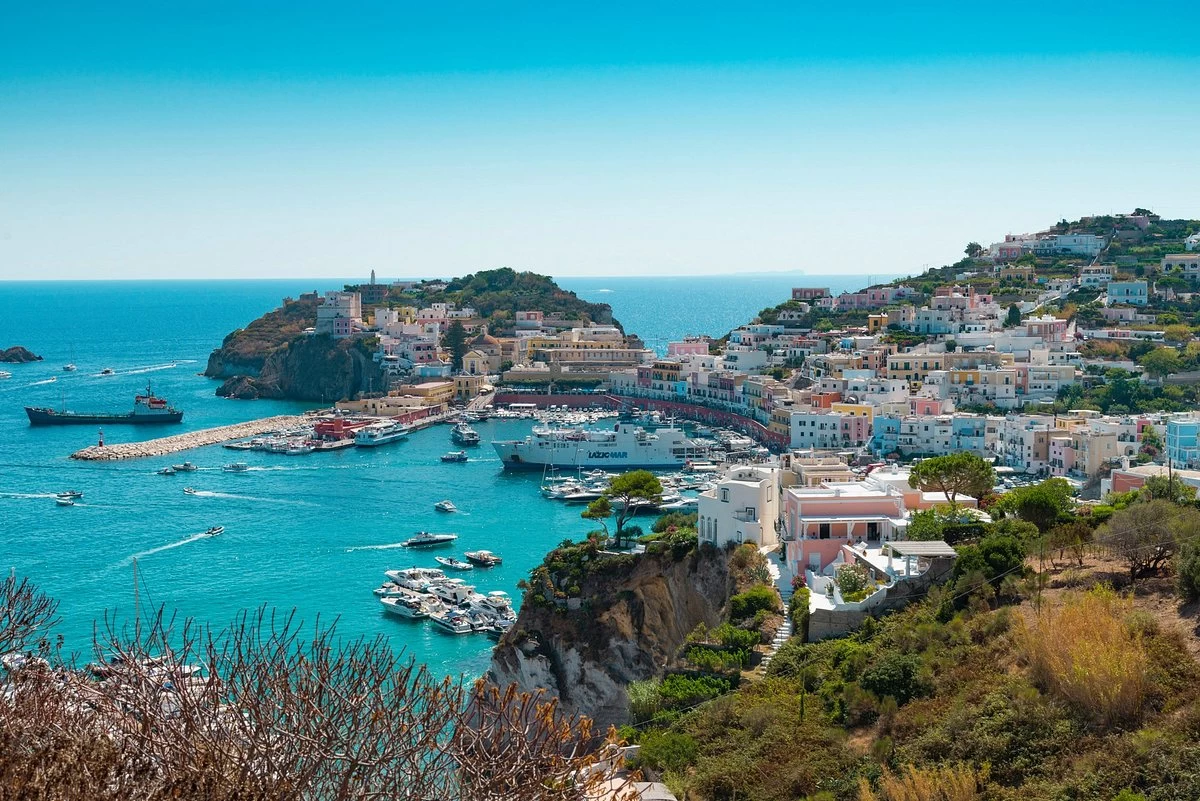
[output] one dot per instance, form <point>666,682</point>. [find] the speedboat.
<point>68,368</point>
<point>108,371</point>
<point>416,579</point>
<point>445,506</point>
<point>64,501</point>
<point>404,606</point>
<point>214,531</point>
<point>236,467</point>
<point>166,471</point>
<point>452,621</point>
<point>69,494</point>
<point>452,563</point>
<point>483,558</point>
<point>5,374</point>
<point>186,467</point>
<point>424,539</point>
<point>454,456</point>
<point>189,491</point>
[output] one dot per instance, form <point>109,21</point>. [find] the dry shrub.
<point>1086,653</point>
<point>941,783</point>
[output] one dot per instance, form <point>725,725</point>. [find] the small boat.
<point>186,467</point>
<point>496,628</point>
<point>108,371</point>
<point>445,506</point>
<point>166,471</point>
<point>452,563</point>
<point>69,494</point>
<point>483,558</point>
<point>188,491</point>
<point>236,467</point>
<point>5,374</point>
<point>68,368</point>
<point>64,501</point>
<point>425,539</point>
<point>452,622</point>
<point>454,456</point>
<point>214,531</point>
<point>404,606</point>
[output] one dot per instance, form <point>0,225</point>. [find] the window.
<point>724,495</point>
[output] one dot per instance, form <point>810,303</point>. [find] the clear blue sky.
<point>222,139</point>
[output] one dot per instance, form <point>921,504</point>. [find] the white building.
<point>742,507</point>
<point>339,313</point>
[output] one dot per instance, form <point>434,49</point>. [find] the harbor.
<point>162,446</point>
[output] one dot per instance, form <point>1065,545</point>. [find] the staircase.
<point>783,582</point>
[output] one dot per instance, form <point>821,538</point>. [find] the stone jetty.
<point>193,439</point>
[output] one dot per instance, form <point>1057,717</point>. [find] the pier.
<point>193,439</point>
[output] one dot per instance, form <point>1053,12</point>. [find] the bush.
<point>1187,570</point>
<point>678,691</point>
<point>798,609</point>
<point>717,661</point>
<point>731,636</point>
<point>745,604</point>
<point>1086,654</point>
<point>852,580</point>
<point>897,676</point>
<point>665,750</point>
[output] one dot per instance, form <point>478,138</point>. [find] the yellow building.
<point>914,366</point>
<point>854,409</point>
<point>467,387</point>
<point>876,322</point>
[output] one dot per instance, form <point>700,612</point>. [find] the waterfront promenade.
<point>193,439</point>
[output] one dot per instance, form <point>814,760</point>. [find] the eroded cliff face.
<point>313,368</point>
<point>630,627</point>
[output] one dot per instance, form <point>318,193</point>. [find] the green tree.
<point>599,510</point>
<point>926,526</point>
<point>996,556</point>
<point>630,490</point>
<point>455,341</point>
<point>1013,318</point>
<point>1178,333</point>
<point>1142,535</point>
<point>1044,504</point>
<point>1169,489</point>
<point>973,250</point>
<point>1161,362</point>
<point>955,474</point>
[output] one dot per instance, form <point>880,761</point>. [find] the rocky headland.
<point>18,355</point>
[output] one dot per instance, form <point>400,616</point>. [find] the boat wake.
<point>43,381</point>
<point>389,547</point>
<point>142,554</point>
<point>27,495</point>
<point>231,496</point>
<point>151,369</point>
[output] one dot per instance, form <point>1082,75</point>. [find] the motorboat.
<point>69,494</point>
<point>681,505</point>
<point>214,531</point>
<point>463,434</point>
<point>166,471</point>
<point>452,563</point>
<point>425,539</point>
<point>68,368</point>
<point>483,558</point>
<point>390,589</point>
<point>445,506</point>
<point>454,456</point>
<point>416,579</point>
<point>5,374</point>
<point>236,467</point>
<point>452,621</point>
<point>496,628</point>
<point>108,371</point>
<point>186,467</point>
<point>189,491</point>
<point>64,501</point>
<point>404,606</point>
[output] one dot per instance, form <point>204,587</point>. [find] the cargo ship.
<point>146,409</point>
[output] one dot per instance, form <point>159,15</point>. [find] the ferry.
<point>463,434</point>
<point>625,446</point>
<point>146,409</point>
<point>380,434</point>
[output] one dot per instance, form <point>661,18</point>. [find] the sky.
<point>298,139</point>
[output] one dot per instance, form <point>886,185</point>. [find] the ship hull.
<point>516,457</point>
<point>49,417</point>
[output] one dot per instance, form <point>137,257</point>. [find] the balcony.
<point>746,516</point>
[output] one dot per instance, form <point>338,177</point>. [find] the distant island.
<point>18,355</point>
<point>332,347</point>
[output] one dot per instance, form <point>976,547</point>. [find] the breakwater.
<point>193,439</point>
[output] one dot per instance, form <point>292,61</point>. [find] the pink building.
<point>923,407</point>
<point>820,520</point>
<point>688,347</point>
<point>809,292</point>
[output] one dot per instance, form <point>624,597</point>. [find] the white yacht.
<point>452,621</point>
<point>404,606</point>
<point>5,374</point>
<point>380,434</point>
<point>452,591</point>
<point>417,579</point>
<point>445,506</point>
<point>624,446</point>
<point>425,539</point>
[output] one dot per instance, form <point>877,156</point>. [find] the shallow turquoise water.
<point>302,532</point>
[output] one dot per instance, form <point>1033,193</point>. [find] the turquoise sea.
<point>305,532</point>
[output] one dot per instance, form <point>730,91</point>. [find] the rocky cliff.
<point>18,355</point>
<point>313,368</point>
<point>630,624</point>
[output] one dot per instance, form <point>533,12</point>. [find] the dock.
<point>193,439</point>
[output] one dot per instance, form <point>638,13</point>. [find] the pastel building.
<point>1183,442</point>
<point>1133,293</point>
<point>743,506</point>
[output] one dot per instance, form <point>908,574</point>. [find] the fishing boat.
<point>483,558</point>
<point>236,467</point>
<point>186,467</point>
<point>452,622</point>
<point>454,456</point>
<point>425,539</point>
<point>404,606</point>
<point>166,471</point>
<point>452,563</point>
<point>445,506</point>
<point>463,434</point>
<point>214,531</point>
<point>188,491</point>
<point>64,501</point>
<point>147,409</point>
<point>69,494</point>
